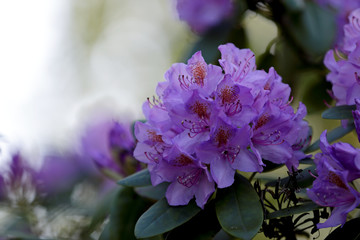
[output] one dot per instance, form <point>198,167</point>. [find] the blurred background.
<point>64,61</point>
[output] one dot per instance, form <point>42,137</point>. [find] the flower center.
<point>200,109</point>
<point>222,137</point>
<point>335,179</point>
<point>199,72</point>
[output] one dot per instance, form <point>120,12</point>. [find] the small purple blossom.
<point>337,165</point>
<point>209,122</point>
<point>110,145</point>
<point>204,14</point>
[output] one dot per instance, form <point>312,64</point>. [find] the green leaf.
<point>313,28</point>
<point>239,210</point>
<point>139,179</point>
<point>306,207</point>
<point>294,5</point>
<point>204,226</point>
<point>126,208</point>
<point>161,218</point>
<point>333,135</point>
<point>303,179</point>
<point>350,231</point>
<point>153,192</point>
<point>339,112</point>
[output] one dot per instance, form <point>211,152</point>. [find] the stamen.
<point>195,127</point>
<point>312,174</point>
<point>246,68</point>
<point>233,108</point>
<point>189,180</point>
<point>156,102</point>
<point>231,153</point>
<point>184,82</point>
<point>152,157</point>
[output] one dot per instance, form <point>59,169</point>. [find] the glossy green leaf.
<point>126,208</point>
<point>313,29</point>
<point>141,178</point>
<point>306,207</point>
<point>339,112</point>
<point>239,210</point>
<point>204,226</point>
<point>153,192</point>
<point>332,135</point>
<point>161,218</point>
<point>350,231</point>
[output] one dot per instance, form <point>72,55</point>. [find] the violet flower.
<point>110,145</point>
<point>345,69</point>
<point>210,121</point>
<point>337,165</point>
<point>204,14</point>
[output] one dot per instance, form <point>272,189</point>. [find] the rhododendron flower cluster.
<point>201,15</point>
<point>337,166</point>
<point>210,121</point>
<point>345,67</point>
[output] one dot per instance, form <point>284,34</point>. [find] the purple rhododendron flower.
<point>209,122</point>
<point>204,14</point>
<point>337,165</point>
<point>343,11</point>
<point>344,70</point>
<point>110,145</point>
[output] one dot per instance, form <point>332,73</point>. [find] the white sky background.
<point>50,79</point>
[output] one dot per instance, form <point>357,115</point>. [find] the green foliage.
<point>161,218</point>
<point>339,112</point>
<point>239,210</point>
<point>125,210</point>
<point>306,207</point>
<point>350,231</point>
<point>139,179</point>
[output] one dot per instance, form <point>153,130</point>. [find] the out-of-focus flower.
<point>226,119</point>
<point>60,173</point>
<point>342,10</point>
<point>110,145</point>
<point>336,166</point>
<point>345,70</point>
<point>204,14</point>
